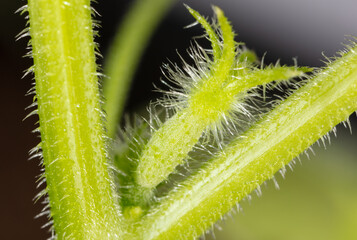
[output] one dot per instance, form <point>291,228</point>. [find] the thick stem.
<point>79,186</point>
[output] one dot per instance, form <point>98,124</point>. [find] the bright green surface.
<point>78,183</point>
<point>316,201</point>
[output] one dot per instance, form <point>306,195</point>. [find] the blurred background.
<point>318,200</point>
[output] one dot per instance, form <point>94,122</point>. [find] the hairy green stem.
<point>284,133</point>
<point>124,54</point>
<point>79,186</point>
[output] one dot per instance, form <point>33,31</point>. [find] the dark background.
<point>282,28</point>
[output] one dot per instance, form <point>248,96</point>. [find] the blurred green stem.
<point>125,52</point>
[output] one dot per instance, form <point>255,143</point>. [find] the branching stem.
<point>80,187</point>
<point>284,133</point>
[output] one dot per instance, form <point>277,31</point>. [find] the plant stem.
<point>125,52</point>
<point>79,186</point>
<point>284,133</point>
